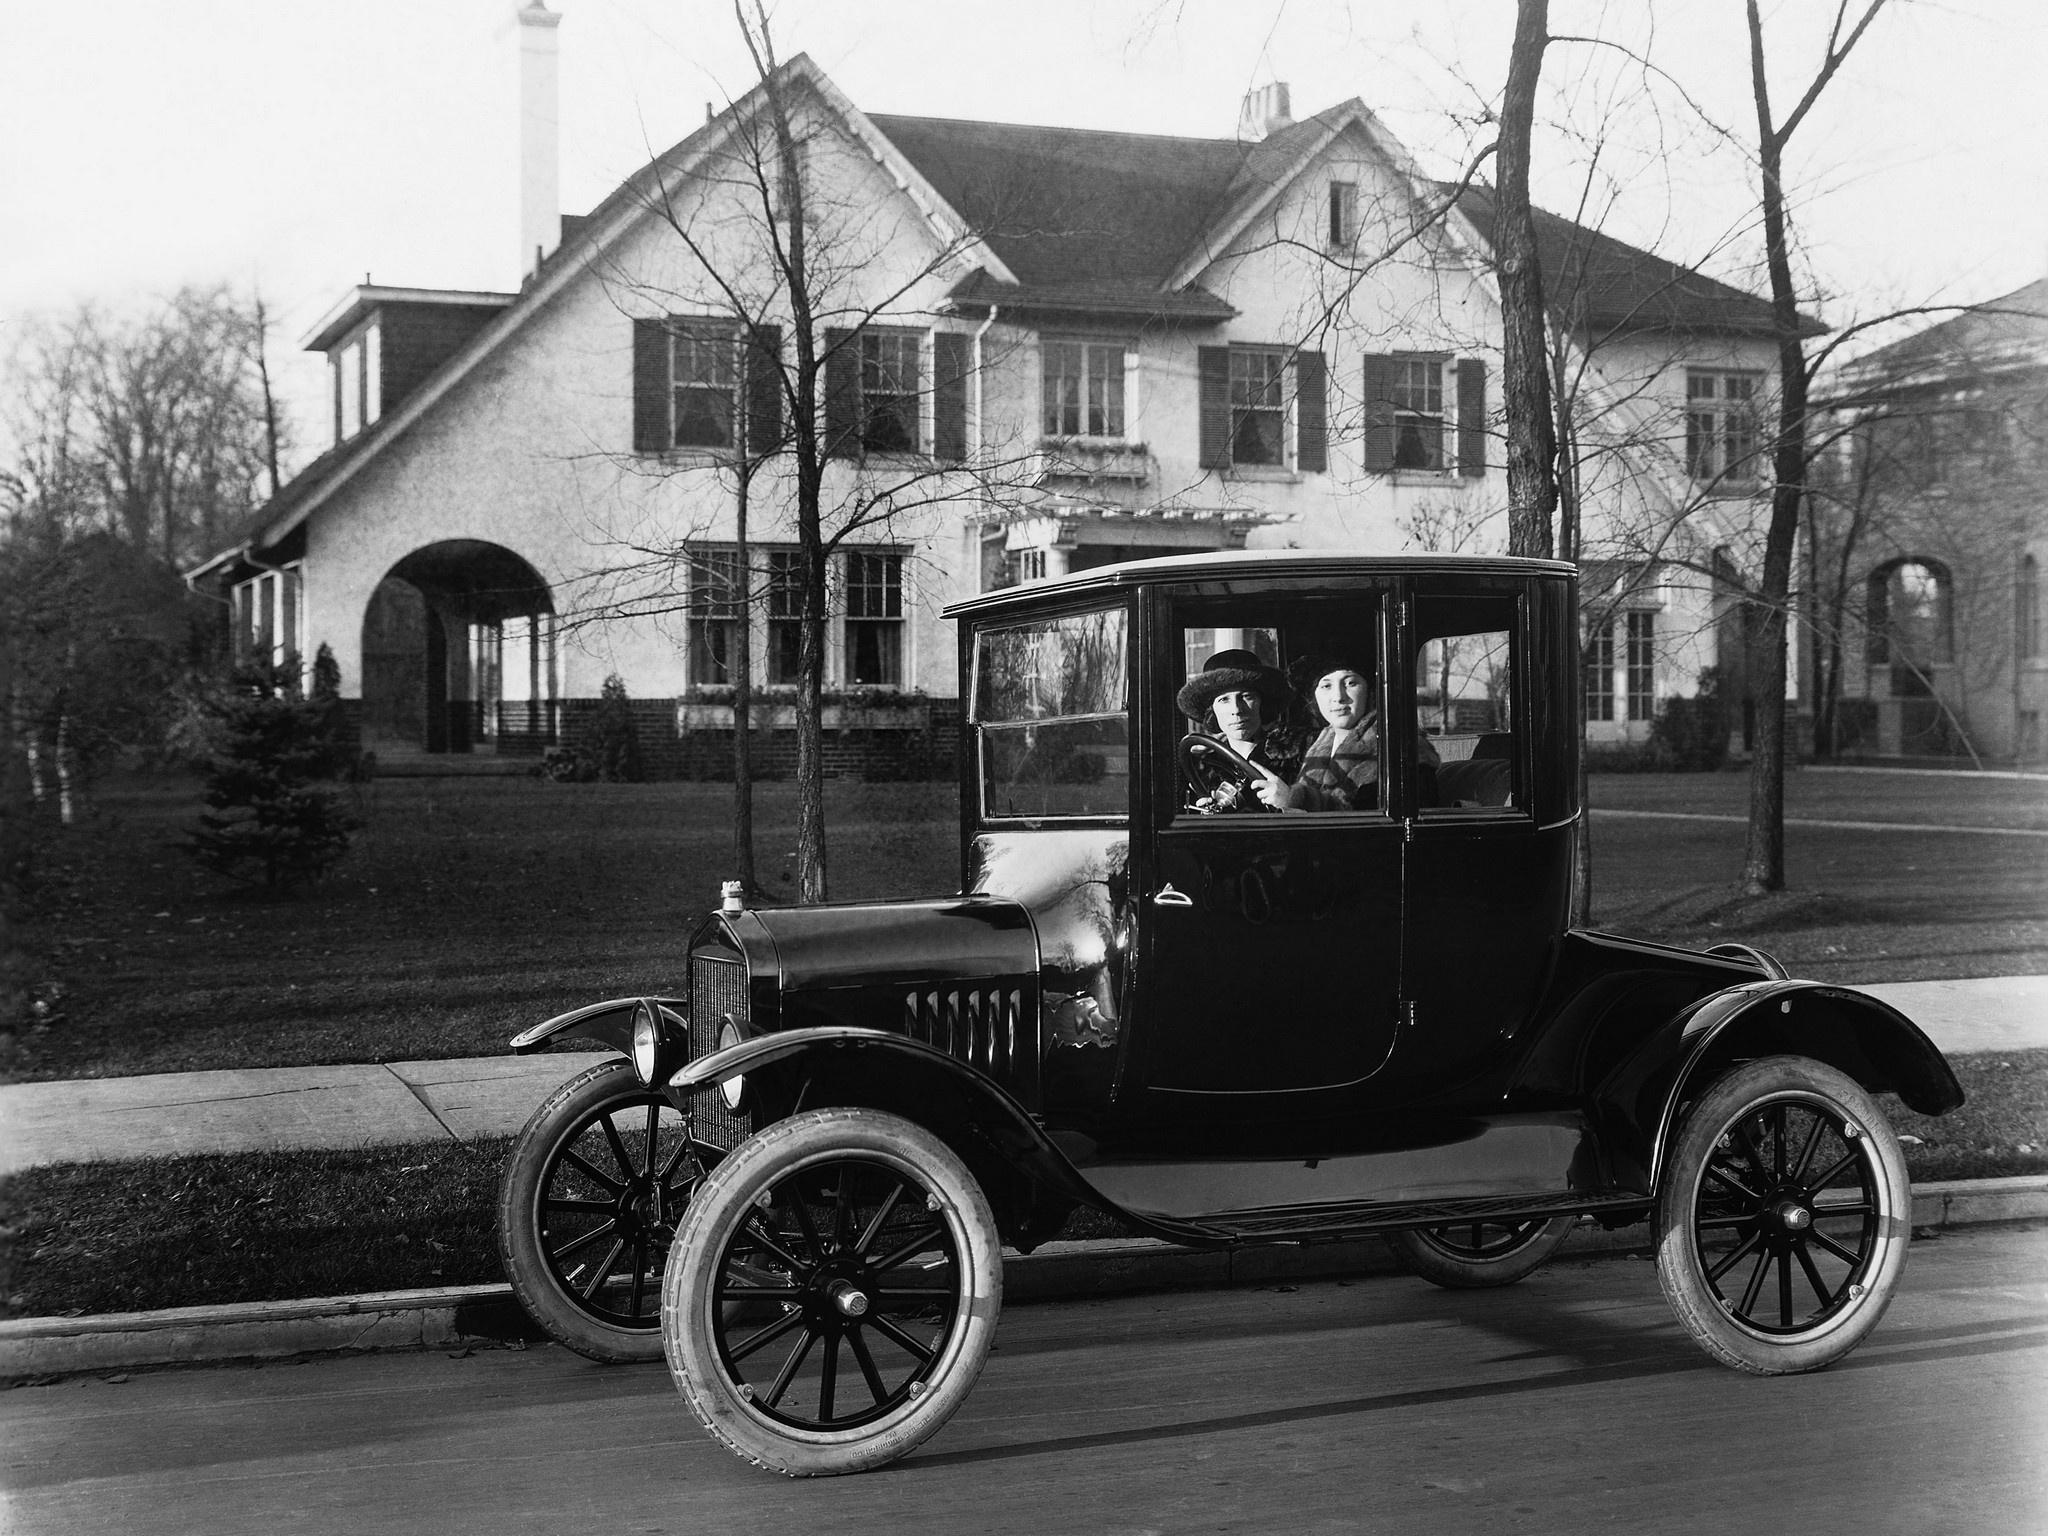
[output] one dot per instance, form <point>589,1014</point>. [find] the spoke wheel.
<point>836,1295</point>
<point>1784,1217</point>
<point>593,1192</point>
<point>1476,1254</point>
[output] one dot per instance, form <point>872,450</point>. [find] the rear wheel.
<point>589,1204</point>
<point>1784,1217</point>
<point>835,1294</point>
<point>1476,1254</point>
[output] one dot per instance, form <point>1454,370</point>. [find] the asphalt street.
<point>1568,1403</point>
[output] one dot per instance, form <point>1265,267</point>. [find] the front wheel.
<point>1477,1254</point>
<point>591,1197</point>
<point>1784,1217</point>
<point>835,1293</point>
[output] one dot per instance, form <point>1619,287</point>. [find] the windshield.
<point>1051,717</point>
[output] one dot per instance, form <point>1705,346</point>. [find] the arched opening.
<point>459,654</point>
<point>1912,648</point>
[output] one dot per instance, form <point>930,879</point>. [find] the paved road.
<point>1567,1404</point>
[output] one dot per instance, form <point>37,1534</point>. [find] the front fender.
<point>1871,1041</point>
<point>843,1064</point>
<point>608,1023</point>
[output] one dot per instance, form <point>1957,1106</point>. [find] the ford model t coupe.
<point>1303,972</point>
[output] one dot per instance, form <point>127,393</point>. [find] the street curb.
<point>40,1348</point>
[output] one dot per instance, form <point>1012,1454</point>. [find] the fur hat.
<point>1229,672</point>
<point>1313,668</point>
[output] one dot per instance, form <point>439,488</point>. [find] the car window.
<point>1467,754</point>
<point>1246,676</point>
<point>1051,717</point>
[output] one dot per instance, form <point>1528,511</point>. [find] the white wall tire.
<point>835,1292</point>
<point>1784,1217</point>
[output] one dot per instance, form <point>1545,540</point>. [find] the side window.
<point>1468,717</point>
<point>1295,691</point>
<point>1051,719</point>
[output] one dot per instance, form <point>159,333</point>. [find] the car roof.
<point>1223,564</point>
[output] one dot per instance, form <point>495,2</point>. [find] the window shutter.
<point>1471,416</point>
<point>842,394</point>
<point>1379,412</point>
<point>950,367</point>
<point>1311,413</point>
<point>1213,372</point>
<point>764,390</point>
<point>650,386</point>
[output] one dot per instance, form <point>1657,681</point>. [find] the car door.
<point>1486,885</point>
<point>1271,942</point>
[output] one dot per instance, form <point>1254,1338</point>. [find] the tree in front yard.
<point>270,821</point>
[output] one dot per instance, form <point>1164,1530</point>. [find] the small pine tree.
<point>614,739</point>
<point>268,823</point>
<point>1692,734</point>
<point>333,721</point>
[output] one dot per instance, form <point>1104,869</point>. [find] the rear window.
<point>1051,717</point>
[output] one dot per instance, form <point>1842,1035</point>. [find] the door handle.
<point>1168,897</point>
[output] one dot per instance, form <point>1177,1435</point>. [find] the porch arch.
<point>459,653</point>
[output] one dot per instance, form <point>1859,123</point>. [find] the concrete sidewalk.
<point>113,1118</point>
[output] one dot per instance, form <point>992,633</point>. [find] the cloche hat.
<point>1233,671</point>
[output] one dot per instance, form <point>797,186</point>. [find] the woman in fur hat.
<point>1240,698</point>
<point>1342,769</point>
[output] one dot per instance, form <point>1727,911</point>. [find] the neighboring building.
<point>1928,537</point>
<point>1047,349</point>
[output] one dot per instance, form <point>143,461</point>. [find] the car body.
<point>1270,1028</point>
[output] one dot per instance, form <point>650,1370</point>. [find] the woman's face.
<point>1237,714</point>
<point>1344,697</point>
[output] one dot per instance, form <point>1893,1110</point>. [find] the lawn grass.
<point>470,908</point>
<point>186,1231</point>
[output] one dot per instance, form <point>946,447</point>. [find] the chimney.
<point>1265,112</point>
<point>540,173</point>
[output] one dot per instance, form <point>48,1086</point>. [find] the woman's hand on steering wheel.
<point>1223,775</point>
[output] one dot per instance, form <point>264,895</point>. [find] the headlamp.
<point>646,1040</point>
<point>734,1089</point>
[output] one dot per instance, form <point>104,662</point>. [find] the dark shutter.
<point>1379,411</point>
<point>1212,366</point>
<point>764,390</point>
<point>1471,416</point>
<point>650,386</point>
<point>950,367</point>
<point>842,394</point>
<point>1311,413</point>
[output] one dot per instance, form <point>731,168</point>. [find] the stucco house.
<point>1930,530</point>
<point>1043,349</point>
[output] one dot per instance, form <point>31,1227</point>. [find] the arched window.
<point>2027,621</point>
<point>1909,605</point>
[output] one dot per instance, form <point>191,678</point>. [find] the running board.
<point>1336,1223</point>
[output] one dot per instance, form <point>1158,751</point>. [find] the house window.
<point>889,391</point>
<point>1600,673</point>
<point>373,374</point>
<point>1720,425</point>
<point>704,378</point>
<point>1027,565</point>
<point>1258,406</point>
<point>716,590</point>
<point>348,392</point>
<point>1343,214</point>
<point>1418,397</point>
<point>2028,619</point>
<point>785,616</point>
<point>1642,666</point>
<point>1084,389</point>
<point>874,618</point>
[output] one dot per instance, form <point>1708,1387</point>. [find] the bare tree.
<point>1525,356</point>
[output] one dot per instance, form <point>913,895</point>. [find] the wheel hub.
<point>849,1298</point>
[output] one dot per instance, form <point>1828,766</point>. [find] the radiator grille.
<point>718,990</point>
<point>977,1025</point>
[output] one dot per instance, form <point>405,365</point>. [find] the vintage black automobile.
<point>1223,1028</point>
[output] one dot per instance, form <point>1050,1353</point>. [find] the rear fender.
<point>1029,1181</point>
<point>1871,1041</point>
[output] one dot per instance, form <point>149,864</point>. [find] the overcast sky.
<point>299,144</point>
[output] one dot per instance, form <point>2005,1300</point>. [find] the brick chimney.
<point>1265,112</point>
<point>540,160</point>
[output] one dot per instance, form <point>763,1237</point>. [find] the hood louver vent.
<point>976,1025</point>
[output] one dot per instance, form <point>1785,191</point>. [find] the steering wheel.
<point>1210,764</point>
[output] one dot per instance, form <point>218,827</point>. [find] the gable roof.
<point>1999,335</point>
<point>1615,288</point>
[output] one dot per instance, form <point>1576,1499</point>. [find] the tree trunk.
<point>1525,361</point>
<point>66,800</point>
<point>743,684</point>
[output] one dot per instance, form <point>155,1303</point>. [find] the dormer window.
<point>357,370</point>
<point>1084,389</point>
